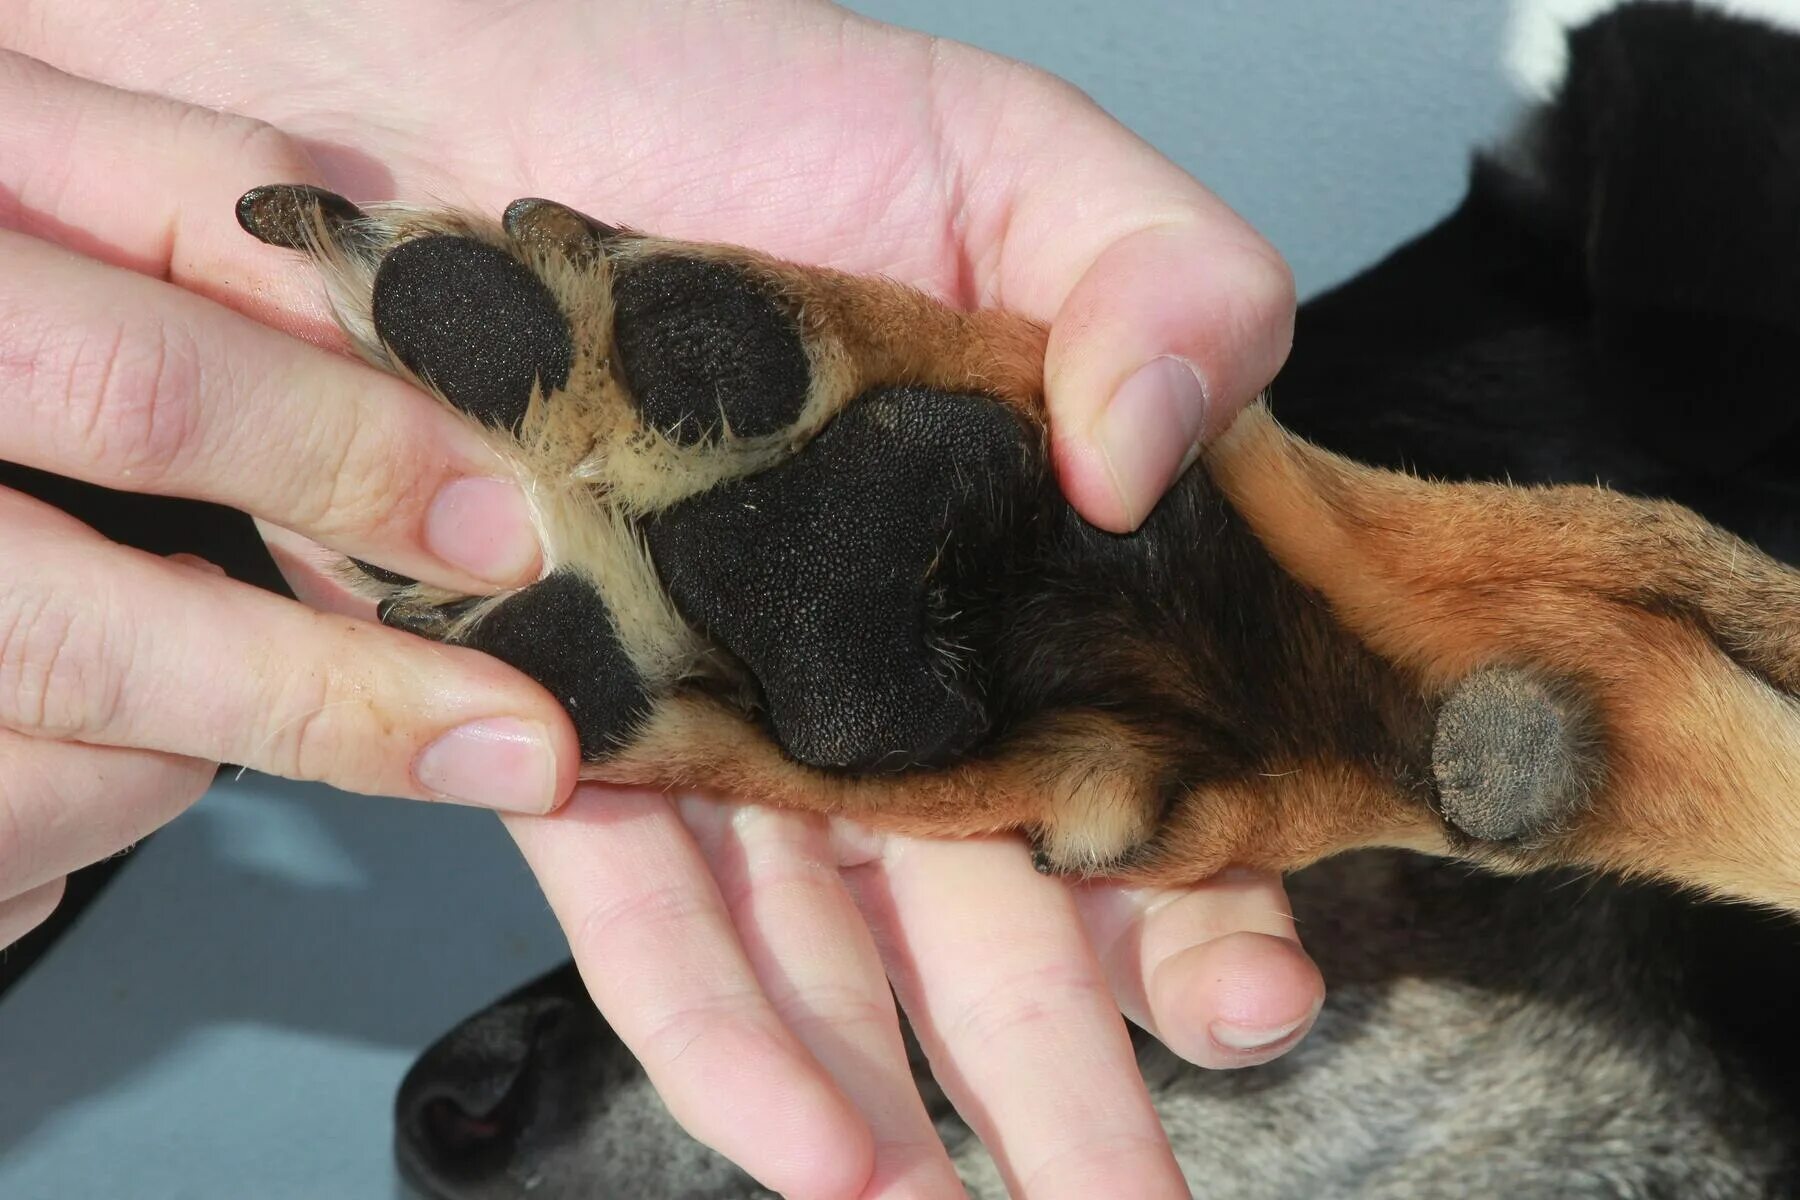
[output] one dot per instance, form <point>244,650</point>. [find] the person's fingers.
<point>137,385</point>
<point>22,914</point>
<point>778,875</point>
<point>991,964</point>
<point>107,645</point>
<point>1170,331</point>
<point>68,146</point>
<point>649,932</point>
<point>314,573</point>
<point>142,43</point>
<point>1215,972</point>
<point>121,380</point>
<point>65,805</point>
<point>1169,313</point>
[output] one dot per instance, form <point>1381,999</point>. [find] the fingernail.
<point>484,527</point>
<point>502,763</point>
<point>1245,1040</point>
<point>1150,432</point>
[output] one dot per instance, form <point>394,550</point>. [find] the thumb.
<point>1170,331</point>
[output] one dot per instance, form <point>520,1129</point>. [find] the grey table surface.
<point>231,1018</point>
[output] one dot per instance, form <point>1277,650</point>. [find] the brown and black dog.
<point>805,546</point>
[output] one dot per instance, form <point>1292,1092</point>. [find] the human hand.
<point>126,678</point>
<point>731,958</point>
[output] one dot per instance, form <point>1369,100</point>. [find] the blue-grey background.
<point>1337,127</point>
<point>231,1018</point>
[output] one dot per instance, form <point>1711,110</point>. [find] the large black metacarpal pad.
<point>703,346</point>
<point>818,573</point>
<point>474,322</point>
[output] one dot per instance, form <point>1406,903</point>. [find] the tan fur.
<point>1084,782</point>
<point>1284,820</point>
<point>891,333</point>
<point>1085,769</point>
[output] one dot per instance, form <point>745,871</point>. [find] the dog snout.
<point>470,1100</point>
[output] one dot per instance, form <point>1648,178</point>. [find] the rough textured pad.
<point>1513,755</point>
<point>558,632</point>
<point>817,574</point>
<point>702,345</point>
<point>473,321</point>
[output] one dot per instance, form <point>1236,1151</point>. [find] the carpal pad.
<point>803,548</point>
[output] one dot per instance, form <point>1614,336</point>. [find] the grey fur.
<point>1482,1037</point>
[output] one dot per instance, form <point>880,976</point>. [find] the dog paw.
<point>804,546</point>
<point>746,475</point>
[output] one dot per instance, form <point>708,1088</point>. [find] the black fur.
<point>1669,97</point>
<point>1615,299</point>
<point>1189,633</point>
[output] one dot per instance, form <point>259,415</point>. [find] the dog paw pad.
<point>560,632</point>
<point>706,350</point>
<point>820,574</point>
<point>1513,756</point>
<point>474,322</point>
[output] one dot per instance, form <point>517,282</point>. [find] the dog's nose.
<point>453,1132</point>
<point>466,1104</point>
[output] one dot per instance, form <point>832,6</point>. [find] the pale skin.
<point>744,954</point>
